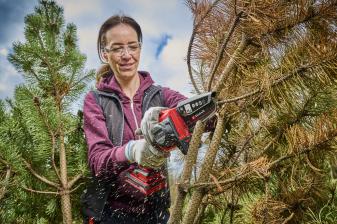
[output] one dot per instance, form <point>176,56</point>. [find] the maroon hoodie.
<point>101,152</point>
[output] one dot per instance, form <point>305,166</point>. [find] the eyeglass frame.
<point>123,48</point>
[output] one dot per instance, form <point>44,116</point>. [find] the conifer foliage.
<point>272,156</point>
<point>42,147</point>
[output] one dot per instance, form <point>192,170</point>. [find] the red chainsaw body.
<point>173,130</point>
<point>181,129</point>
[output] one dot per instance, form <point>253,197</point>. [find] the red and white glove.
<point>141,152</point>
<point>150,119</point>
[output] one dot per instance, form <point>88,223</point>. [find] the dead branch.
<point>280,80</point>
<point>222,49</point>
<point>231,63</point>
<point>189,49</point>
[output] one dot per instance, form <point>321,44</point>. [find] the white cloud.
<point>74,8</point>
<point>3,87</point>
<point>4,52</point>
<point>87,42</point>
<point>170,69</point>
<point>173,59</point>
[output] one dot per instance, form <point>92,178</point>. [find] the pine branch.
<point>72,85</point>
<point>45,59</point>
<point>312,14</point>
<point>40,192</point>
<point>35,76</point>
<point>3,190</point>
<point>73,190</point>
<point>288,156</point>
<point>41,178</point>
<point>37,31</point>
<point>246,143</point>
<point>231,63</point>
<point>189,49</point>
<point>288,218</point>
<point>201,213</point>
<point>74,180</point>
<point>280,80</point>
<point>222,183</point>
<point>37,105</point>
<point>265,149</point>
<point>315,169</point>
<point>3,161</point>
<point>222,49</point>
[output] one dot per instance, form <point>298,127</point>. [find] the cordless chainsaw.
<point>173,130</point>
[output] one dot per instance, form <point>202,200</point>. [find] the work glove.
<point>141,152</point>
<point>150,119</point>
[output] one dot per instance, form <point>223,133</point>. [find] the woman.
<point>112,113</point>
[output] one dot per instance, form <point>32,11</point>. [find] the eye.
<point>116,49</point>
<point>133,47</point>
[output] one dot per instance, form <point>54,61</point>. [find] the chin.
<point>128,74</point>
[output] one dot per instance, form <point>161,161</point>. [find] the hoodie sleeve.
<point>171,97</point>
<point>103,156</point>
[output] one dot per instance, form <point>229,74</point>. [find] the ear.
<point>105,56</point>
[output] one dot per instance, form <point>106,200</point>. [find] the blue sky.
<point>166,26</point>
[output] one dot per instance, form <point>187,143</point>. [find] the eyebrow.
<point>120,44</point>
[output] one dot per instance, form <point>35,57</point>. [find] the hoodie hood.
<point>110,84</point>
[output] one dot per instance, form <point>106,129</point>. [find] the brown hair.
<point>101,40</point>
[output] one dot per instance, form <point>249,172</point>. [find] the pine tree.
<point>272,156</point>
<point>41,139</point>
<point>5,169</point>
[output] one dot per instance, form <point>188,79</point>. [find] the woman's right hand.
<point>141,152</point>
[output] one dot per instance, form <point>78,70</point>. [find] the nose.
<point>125,52</point>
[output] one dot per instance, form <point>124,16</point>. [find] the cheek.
<point>113,64</point>
<point>136,58</point>
<point>112,61</point>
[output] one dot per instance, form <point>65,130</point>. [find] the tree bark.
<point>65,195</point>
<point>186,175</point>
<point>207,165</point>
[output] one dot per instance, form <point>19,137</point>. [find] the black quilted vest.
<point>95,196</point>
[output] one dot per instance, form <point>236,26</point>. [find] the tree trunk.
<point>207,165</point>
<point>65,196</point>
<point>66,208</point>
<point>186,175</point>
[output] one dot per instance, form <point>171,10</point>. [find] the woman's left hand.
<point>150,119</point>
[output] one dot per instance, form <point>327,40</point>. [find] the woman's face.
<point>122,51</point>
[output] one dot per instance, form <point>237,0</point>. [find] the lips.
<point>125,67</point>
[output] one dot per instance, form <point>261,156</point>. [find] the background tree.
<point>272,156</point>
<point>5,169</point>
<point>41,140</point>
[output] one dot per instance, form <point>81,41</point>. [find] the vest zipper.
<point>134,116</point>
